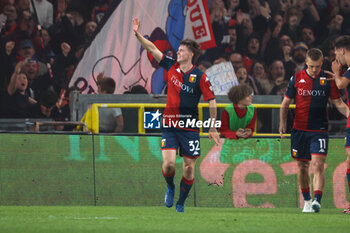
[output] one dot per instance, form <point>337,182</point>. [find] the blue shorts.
<point>188,141</point>
<point>347,138</point>
<point>305,143</point>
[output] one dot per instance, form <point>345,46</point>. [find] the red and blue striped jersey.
<point>184,91</point>
<point>347,75</point>
<point>311,97</point>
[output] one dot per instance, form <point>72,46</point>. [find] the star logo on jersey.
<point>192,78</point>
<point>302,81</point>
<point>295,153</point>
<point>323,81</point>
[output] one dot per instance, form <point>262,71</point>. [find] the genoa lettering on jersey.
<point>311,96</point>
<point>347,75</point>
<point>184,91</point>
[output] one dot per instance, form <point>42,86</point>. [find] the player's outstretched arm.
<point>283,115</point>
<point>213,133</point>
<point>148,45</point>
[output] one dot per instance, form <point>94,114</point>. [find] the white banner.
<point>116,51</point>
<point>222,77</point>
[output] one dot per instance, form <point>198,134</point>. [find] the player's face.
<point>184,55</point>
<point>339,55</point>
<point>313,67</point>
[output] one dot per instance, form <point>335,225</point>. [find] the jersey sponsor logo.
<point>323,81</point>
<point>183,87</point>
<point>302,81</point>
<point>303,92</point>
<point>192,78</point>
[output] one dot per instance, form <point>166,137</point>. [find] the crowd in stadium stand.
<point>265,40</point>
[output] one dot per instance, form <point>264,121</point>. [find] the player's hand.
<point>135,25</point>
<point>282,130</point>
<point>331,75</point>
<point>213,134</point>
<point>336,67</point>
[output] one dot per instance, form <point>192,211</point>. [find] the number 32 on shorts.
<point>194,145</point>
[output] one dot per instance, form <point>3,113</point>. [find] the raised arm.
<point>148,45</point>
<point>11,88</point>
<point>283,115</point>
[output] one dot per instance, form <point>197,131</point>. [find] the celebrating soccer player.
<point>309,137</point>
<point>342,52</point>
<point>186,83</point>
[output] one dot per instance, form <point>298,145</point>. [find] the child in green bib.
<point>239,118</point>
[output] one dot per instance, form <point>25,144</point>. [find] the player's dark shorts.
<point>347,138</point>
<point>305,143</point>
<point>187,141</point>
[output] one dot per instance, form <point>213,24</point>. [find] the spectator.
<point>25,50</point>
<point>344,7</point>
<point>277,73</point>
<point>310,14</point>
<point>299,56</point>
<point>15,102</point>
<point>204,65</point>
<point>244,78</point>
<point>277,48</point>
<point>232,7</point>
<point>252,53</point>
<point>138,89</point>
<point>37,83</point>
<point>262,85</point>
<point>238,119</point>
<point>63,109</point>
<point>22,5</point>
<point>44,10</point>
<point>111,119</point>
<point>90,28</point>
<point>10,11</point>
<point>46,107</point>
<point>307,35</point>
<point>292,19</point>
<point>42,46</point>
<point>236,59</point>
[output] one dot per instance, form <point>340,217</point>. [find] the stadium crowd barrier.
<point>93,120</point>
<point>93,169</point>
<point>80,103</point>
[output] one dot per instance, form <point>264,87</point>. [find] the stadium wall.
<point>56,169</point>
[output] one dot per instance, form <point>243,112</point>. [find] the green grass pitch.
<point>40,219</point>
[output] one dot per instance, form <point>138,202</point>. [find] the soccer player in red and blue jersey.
<point>311,90</point>
<point>186,84</point>
<point>342,52</point>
